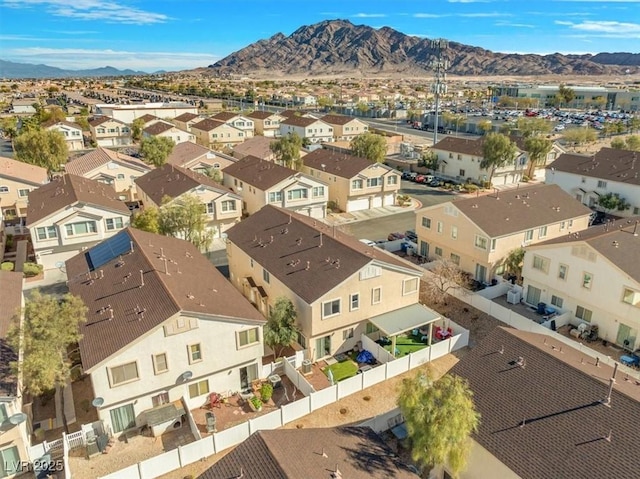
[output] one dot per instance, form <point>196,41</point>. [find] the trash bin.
<point>542,308</point>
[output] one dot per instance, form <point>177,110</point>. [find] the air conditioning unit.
<point>306,366</point>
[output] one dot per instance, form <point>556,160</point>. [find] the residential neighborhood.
<point>278,289</point>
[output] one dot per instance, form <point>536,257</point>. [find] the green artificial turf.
<point>343,370</point>
<point>407,344</point>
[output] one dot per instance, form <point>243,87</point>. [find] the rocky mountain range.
<point>30,70</point>
<point>338,47</point>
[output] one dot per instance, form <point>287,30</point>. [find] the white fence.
<point>288,413</point>
<point>298,380</point>
<point>518,321</point>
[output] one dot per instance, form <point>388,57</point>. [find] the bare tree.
<point>445,276</point>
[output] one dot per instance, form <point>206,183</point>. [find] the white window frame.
<point>557,301</point>
<point>528,235</point>
<point>226,206</point>
<point>49,232</point>
<point>304,194</point>
<point>631,296</point>
<point>190,353</point>
<point>200,391</point>
<point>370,271</point>
<point>405,282</point>
<point>542,232</point>
<point>21,192</point>
<point>112,380</point>
<point>376,291</point>
<point>439,227</point>
<point>317,191</point>
<point>245,333</point>
<point>357,184</point>
<point>481,242</point>
<point>392,180</point>
<point>426,222</point>
<point>156,368</point>
<point>540,263</point>
<point>587,280</point>
<point>88,223</point>
<point>455,260</point>
<point>330,303</point>
<point>563,276</point>
<point>587,314</point>
<point>493,244</point>
<point>354,297</point>
<point>454,232</point>
<point>112,223</point>
<point>347,333</point>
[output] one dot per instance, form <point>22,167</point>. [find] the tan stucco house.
<point>17,179</point>
<point>345,128</point>
<point>106,131</point>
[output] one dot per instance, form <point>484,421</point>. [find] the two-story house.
<point>111,168</point>
<point>595,274</point>
<point>168,130</point>
<point>610,170</point>
<point>106,131</point>
<point>198,158</point>
<point>163,327</point>
<point>262,182</point>
<point>17,179</point>
<point>259,146</point>
<point>266,123</point>
<point>460,158</point>
<point>355,183</point>
<point>70,214</point>
<point>186,121</point>
<point>214,134</point>
<point>222,206</point>
<point>72,133</point>
<point>345,128</point>
<point>237,120</point>
<point>14,436</point>
<point>337,284</point>
<point>539,168</point>
<point>312,129</point>
<point>478,233</point>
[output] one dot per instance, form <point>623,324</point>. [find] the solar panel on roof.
<point>109,249</point>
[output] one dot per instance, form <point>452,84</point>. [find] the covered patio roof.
<point>405,319</point>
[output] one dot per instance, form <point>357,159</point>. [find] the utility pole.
<point>440,67</point>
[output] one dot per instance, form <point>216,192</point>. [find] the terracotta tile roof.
<point>117,286</point>
<point>558,398</point>
<point>261,115</point>
<point>67,190</point>
<point>186,117</point>
<point>259,173</point>
<point>257,146</point>
<point>339,164</point>
<point>20,170</point>
<point>207,124</point>
<point>515,210</point>
<point>358,452</point>
<point>337,119</point>
<point>159,127</point>
<point>11,287</point>
<point>618,241</point>
<point>101,156</point>
<point>173,181</point>
<point>610,164</point>
<point>299,121</point>
<point>296,244</point>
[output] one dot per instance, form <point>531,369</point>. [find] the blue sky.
<point>179,34</point>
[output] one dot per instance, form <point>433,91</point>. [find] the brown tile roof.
<point>68,190</point>
<point>158,127</point>
<point>173,181</point>
<point>290,113</point>
<point>186,117</point>
<point>609,164</point>
<point>117,285</point>
<point>296,244</point>
<point>225,116</point>
<point>336,163</point>
<point>11,287</point>
<point>97,121</point>
<point>337,119</point>
<point>618,241</point>
<point>565,426</point>
<point>20,170</point>
<point>207,124</point>
<point>358,452</point>
<point>147,117</point>
<point>298,121</point>
<point>257,146</point>
<point>101,156</point>
<point>259,173</point>
<point>462,145</point>
<point>186,152</point>
<point>515,210</point>
<point>261,115</point>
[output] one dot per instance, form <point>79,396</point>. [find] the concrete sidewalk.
<point>336,219</point>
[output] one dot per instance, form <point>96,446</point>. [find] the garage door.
<point>377,202</point>
<point>358,204</point>
<point>388,200</point>
<point>317,212</point>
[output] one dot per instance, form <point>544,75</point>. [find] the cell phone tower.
<point>439,87</point>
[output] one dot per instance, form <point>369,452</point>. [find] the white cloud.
<point>79,58</point>
<point>513,25</point>
<point>427,15</point>
<point>604,29</point>
<point>600,1</point>
<point>369,15</point>
<point>108,11</point>
<point>485,15</point>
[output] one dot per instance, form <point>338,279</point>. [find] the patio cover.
<point>405,319</point>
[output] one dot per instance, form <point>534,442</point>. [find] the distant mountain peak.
<point>339,47</point>
<point>29,70</point>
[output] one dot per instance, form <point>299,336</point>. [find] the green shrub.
<point>525,179</point>
<point>257,403</point>
<point>486,185</point>
<point>266,391</point>
<point>6,266</point>
<point>31,269</point>
<point>9,242</point>
<point>470,188</point>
